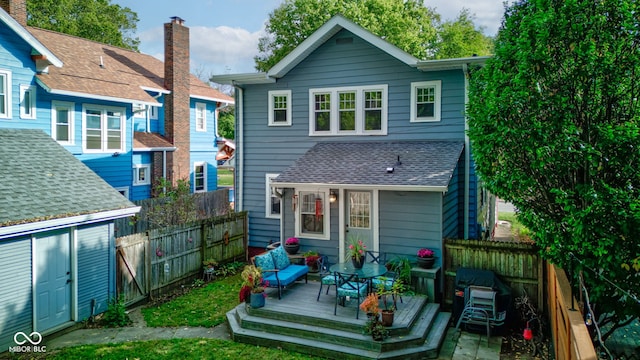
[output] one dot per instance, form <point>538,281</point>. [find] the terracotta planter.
<point>387,317</point>
<point>292,249</point>
<point>426,263</point>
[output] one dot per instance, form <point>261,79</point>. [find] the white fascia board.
<point>173,148</point>
<point>213,99</point>
<point>326,31</point>
<point>441,189</point>
<point>94,96</point>
<point>243,79</point>
<point>47,225</point>
<point>450,64</point>
<point>30,39</point>
<point>157,90</point>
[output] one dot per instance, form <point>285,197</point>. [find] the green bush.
<point>116,314</point>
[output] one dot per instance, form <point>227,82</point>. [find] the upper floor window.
<point>153,112</point>
<point>103,129</point>
<point>273,202</point>
<point>201,117</point>
<point>360,110</point>
<point>5,94</point>
<point>311,217</point>
<point>27,102</point>
<point>280,108</point>
<point>200,177</point>
<point>142,174</point>
<point>62,122</point>
<point>426,100</point>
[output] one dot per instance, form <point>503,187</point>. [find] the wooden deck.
<point>300,323</point>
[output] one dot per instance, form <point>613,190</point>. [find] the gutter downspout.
<point>467,152</point>
<point>238,191</point>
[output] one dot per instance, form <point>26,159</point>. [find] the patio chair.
<point>326,277</point>
<point>388,278</point>
<point>349,285</point>
<point>376,257</point>
<point>481,309</point>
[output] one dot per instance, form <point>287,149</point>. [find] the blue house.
<point>350,136</point>
<point>57,243</point>
<point>130,117</point>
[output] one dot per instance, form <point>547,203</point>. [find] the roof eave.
<point>422,188</point>
<point>94,96</point>
<point>30,39</point>
<point>207,98</point>
<point>150,149</point>
<point>243,79</point>
<point>450,64</point>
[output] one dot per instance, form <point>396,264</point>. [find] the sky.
<point>224,33</point>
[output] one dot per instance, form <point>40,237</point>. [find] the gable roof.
<point>42,185</point>
<point>423,165</point>
<point>108,72</point>
<point>37,46</point>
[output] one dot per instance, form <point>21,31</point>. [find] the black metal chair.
<point>349,286</point>
<point>376,257</point>
<point>388,278</point>
<point>326,277</point>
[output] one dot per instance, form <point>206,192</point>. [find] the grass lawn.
<point>225,177</point>
<point>203,306</point>
<point>517,228</point>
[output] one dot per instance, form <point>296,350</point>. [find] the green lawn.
<point>225,177</point>
<point>203,306</point>
<point>516,227</point>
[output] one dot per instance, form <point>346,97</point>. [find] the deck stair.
<point>300,323</point>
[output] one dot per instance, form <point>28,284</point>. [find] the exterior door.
<point>359,220</point>
<point>53,279</point>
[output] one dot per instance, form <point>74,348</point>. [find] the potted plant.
<point>252,286</point>
<point>292,245</point>
<point>390,306</point>
<point>311,259</point>
<point>356,251</point>
<point>370,306</point>
<point>374,327</point>
<point>426,258</point>
<point>209,265</point>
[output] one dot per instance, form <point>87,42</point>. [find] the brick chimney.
<point>17,9</point>
<point>176,112</point>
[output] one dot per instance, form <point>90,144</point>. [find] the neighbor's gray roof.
<point>40,180</point>
<point>424,165</point>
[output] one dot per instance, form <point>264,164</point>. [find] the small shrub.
<point>116,314</point>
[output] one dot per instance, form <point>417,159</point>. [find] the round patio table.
<point>368,271</point>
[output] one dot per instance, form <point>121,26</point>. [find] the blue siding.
<point>16,297</point>
<point>203,143</point>
<point>272,149</point>
<point>95,263</point>
<point>451,205</point>
<point>140,192</point>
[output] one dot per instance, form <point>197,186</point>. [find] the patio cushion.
<point>353,289</point>
<point>388,282</point>
<point>286,276</point>
<point>280,257</point>
<point>329,280</point>
<point>264,261</point>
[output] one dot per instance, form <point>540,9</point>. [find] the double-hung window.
<point>360,110</point>
<point>103,129</point>
<point>201,117</point>
<point>27,102</point>
<point>425,101</point>
<point>5,94</point>
<point>200,177</point>
<point>273,202</point>
<point>280,108</point>
<point>312,215</point>
<point>62,122</point>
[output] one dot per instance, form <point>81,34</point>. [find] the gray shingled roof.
<point>424,164</point>
<point>40,180</point>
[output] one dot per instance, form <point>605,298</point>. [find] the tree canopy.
<point>407,24</point>
<point>554,125</point>
<point>97,20</point>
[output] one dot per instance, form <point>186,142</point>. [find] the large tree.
<point>97,20</point>
<point>554,125</point>
<point>460,38</point>
<point>407,24</point>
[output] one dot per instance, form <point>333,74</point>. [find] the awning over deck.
<point>402,165</point>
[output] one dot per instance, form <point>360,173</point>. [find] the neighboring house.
<point>57,243</point>
<point>128,116</point>
<point>349,135</point>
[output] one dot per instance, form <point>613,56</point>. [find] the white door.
<point>359,219</point>
<point>53,279</point>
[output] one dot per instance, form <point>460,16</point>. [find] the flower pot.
<point>387,317</point>
<point>257,300</point>
<point>427,262</point>
<point>357,263</point>
<point>292,249</point>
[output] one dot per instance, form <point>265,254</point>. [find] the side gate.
<point>132,278</point>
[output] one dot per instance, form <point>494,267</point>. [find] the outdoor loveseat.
<point>277,270</point>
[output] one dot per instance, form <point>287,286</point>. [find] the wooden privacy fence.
<point>150,262</point>
<point>518,264</point>
<point>570,336</point>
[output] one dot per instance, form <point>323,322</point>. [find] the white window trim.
<point>334,116</point>
<point>102,109</point>
<point>268,195</point>
<point>32,104</point>
<point>8,92</point>
<point>437,84</point>
<point>153,112</point>
<point>54,120</point>
<point>136,170</point>
<point>324,193</point>
<point>273,94</point>
<point>204,176</point>
<point>202,109</point>
<point>125,190</point>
